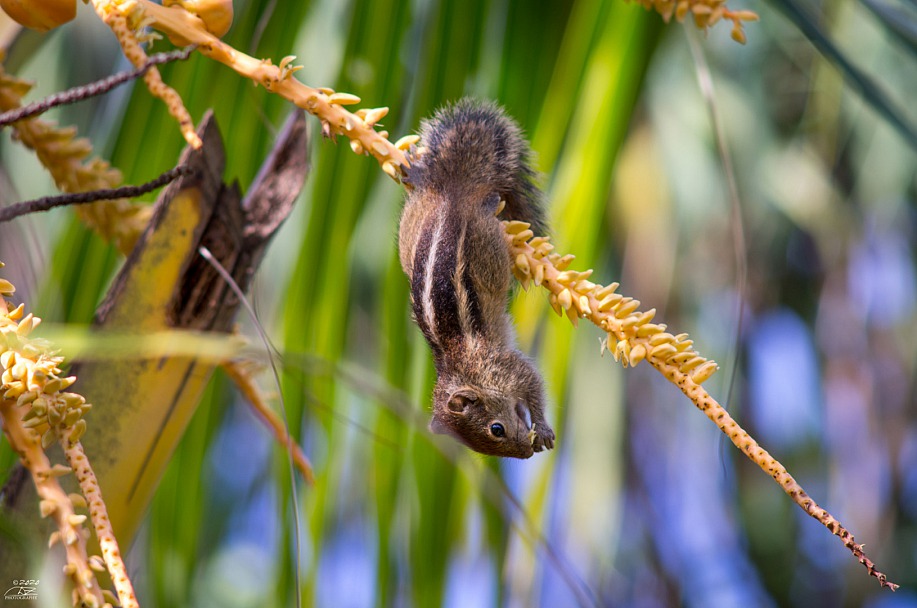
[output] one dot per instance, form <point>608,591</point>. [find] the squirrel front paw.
<point>544,437</point>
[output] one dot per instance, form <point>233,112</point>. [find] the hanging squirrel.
<point>488,394</point>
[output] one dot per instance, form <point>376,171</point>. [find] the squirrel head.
<point>486,404</point>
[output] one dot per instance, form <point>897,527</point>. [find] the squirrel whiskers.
<point>488,394</point>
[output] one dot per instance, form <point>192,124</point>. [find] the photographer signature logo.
<point>26,589</point>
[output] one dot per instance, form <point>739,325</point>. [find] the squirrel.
<point>488,394</point>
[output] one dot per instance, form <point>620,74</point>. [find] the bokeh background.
<point>802,287</point>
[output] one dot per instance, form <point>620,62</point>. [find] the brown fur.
<point>452,248</point>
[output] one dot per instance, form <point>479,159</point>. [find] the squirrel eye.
<point>497,430</point>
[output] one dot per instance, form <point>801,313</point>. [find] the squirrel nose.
<point>524,414</point>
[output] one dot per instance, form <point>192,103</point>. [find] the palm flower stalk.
<point>89,485</point>
<point>632,338</point>
<point>64,155</point>
<point>184,27</point>
<point>241,375</point>
<point>36,410</point>
<point>115,14</point>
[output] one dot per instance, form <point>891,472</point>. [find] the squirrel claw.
<point>544,437</point>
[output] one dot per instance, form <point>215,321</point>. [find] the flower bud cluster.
<point>706,13</point>
<point>631,336</point>
<point>32,376</point>
<point>359,127</point>
<point>36,411</point>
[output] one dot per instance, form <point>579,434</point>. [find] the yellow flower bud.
<point>515,227</point>
<point>523,237</point>
<point>663,351</point>
<point>610,302</point>
<point>375,115</point>
<point>565,299</point>
<point>41,15</point>
<point>390,169</point>
<point>555,304</point>
<point>47,507</point>
<point>216,14</point>
<point>691,363</point>
<point>343,99</point>
<point>407,141</point>
<point>78,500</point>
<point>702,373</point>
<point>539,274</point>
<point>584,305</point>
<point>626,308</point>
<point>563,262</point>
<point>637,354</point>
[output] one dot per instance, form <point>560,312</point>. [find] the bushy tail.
<point>472,143</point>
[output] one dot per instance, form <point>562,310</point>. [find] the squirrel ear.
<point>460,401</point>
